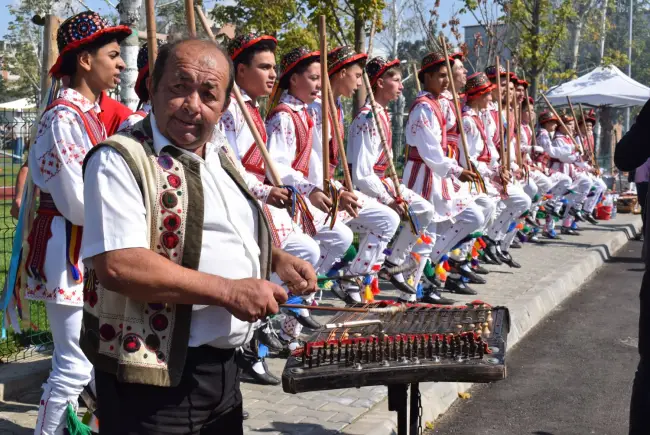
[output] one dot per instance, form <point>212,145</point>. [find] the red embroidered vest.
<point>252,160</point>
<point>304,137</point>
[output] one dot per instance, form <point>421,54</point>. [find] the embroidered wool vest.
<point>147,343</point>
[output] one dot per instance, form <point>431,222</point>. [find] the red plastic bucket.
<point>604,212</point>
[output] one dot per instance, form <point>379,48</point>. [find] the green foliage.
<point>22,56</point>
<point>295,23</point>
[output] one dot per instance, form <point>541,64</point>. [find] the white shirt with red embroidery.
<point>135,117</point>
<point>363,151</point>
<point>476,145</point>
<point>55,162</point>
<point>281,144</point>
<point>233,126</point>
<point>423,131</point>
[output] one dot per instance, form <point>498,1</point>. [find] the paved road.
<point>572,375</point>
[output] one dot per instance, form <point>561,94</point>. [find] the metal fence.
<point>30,332</point>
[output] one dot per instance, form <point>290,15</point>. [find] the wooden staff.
<point>552,109</point>
<point>518,134</point>
<point>531,124</point>
<point>324,90</point>
<point>382,136</point>
<point>500,117</point>
<point>507,144</point>
<point>592,152</point>
<point>152,42</point>
<point>336,128</point>
<point>418,86</point>
<point>274,176</point>
<point>457,108</point>
<point>189,17</point>
<point>575,120</point>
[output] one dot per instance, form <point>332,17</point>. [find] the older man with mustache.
<point>178,256</point>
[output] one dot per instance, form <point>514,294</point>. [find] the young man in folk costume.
<point>555,184</point>
<point>548,124</point>
<point>514,201</point>
<point>565,158</point>
<point>376,220</point>
<point>459,259</point>
<point>253,58</point>
<point>369,163</point>
<point>437,177</point>
<point>293,141</point>
<point>586,124</point>
<point>90,56</point>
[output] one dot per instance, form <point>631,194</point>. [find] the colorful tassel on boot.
<point>74,425</point>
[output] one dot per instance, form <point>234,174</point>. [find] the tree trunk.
<point>534,61</point>
<point>360,47</point>
<point>576,36</point>
<point>129,16</point>
<point>604,150</point>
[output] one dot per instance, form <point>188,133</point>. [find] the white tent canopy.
<point>21,104</point>
<point>604,86</point>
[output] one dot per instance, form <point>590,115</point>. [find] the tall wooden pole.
<point>50,52</point>
<point>518,133</point>
<point>457,108</point>
<point>324,90</point>
<point>274,176</point>
<point>594,163</point>
<point>531,124</point>
<point>500,117</point>
<point>189,18</point>
<point>508,120</point>
<point>152,42</point>
<point>418,85</point>
<point>336,130</point>
<point>573,113</point>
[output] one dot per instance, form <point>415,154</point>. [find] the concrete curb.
<point>526,311</point>
<point>23,375</point>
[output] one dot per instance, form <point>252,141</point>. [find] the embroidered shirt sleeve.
<point>425,133</point>
<point>561,151</point>
<point>259,190</point>
<point>281,144</point>
<point>364,149</point>
<point>130,121</point>
<point>57,156</point>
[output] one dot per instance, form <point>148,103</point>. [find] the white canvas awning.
<point>604,86</point>
<point>21,104</point>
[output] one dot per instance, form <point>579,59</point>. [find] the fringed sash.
<point>252,160</point>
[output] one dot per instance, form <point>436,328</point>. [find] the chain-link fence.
<point>29,330</point>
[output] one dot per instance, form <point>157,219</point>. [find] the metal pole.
<point>603,32</point>
<point>629,65</point>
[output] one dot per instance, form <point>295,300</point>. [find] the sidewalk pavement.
<point>548,275</point>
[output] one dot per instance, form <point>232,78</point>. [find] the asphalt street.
<point>572,374</point>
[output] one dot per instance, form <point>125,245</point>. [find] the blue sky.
<point>102,7</point>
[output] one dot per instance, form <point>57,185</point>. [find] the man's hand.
<point>319,200</point>
<point>400,207</point>
<point>298,275</point>
<point>15,208</point>
<point>504,174</point>
<point>348,202</point>
<point>467,176</point>
<point>253,299</point>
<point>279,198</point>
